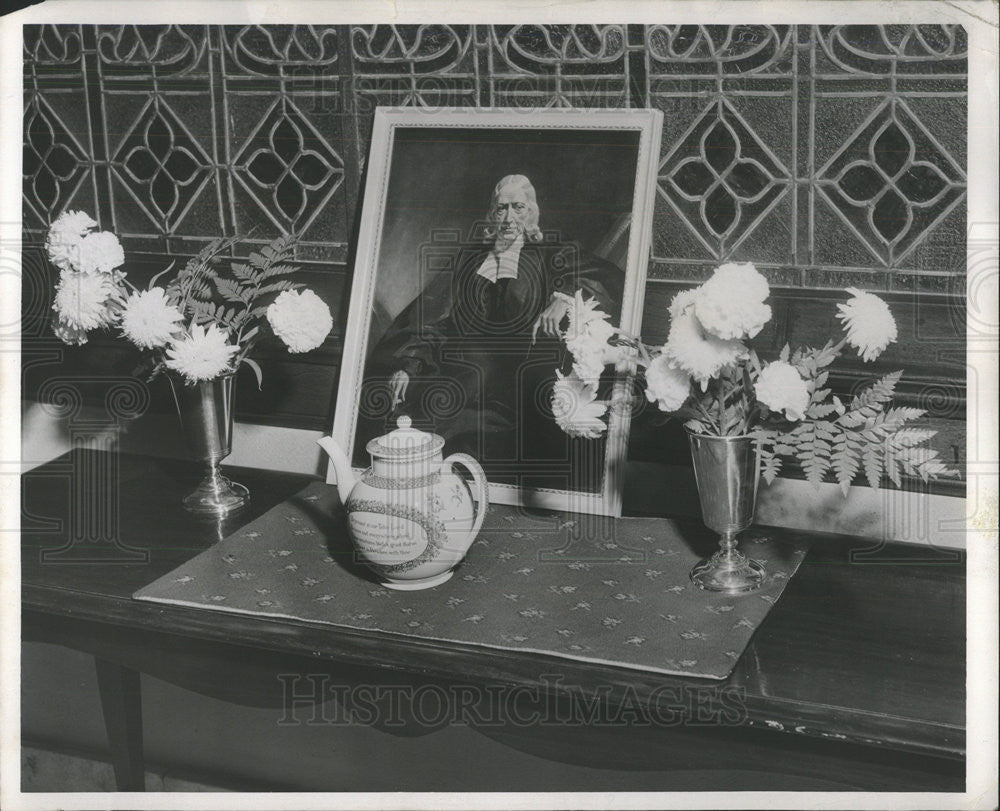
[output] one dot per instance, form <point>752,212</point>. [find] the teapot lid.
<point>406,441</point>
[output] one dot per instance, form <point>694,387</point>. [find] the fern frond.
<point>871,457</point>
<point>897,417</point>
<point>909,437</point>
<point>203,311</point>
<point>813,450</point>
<point>878,394</point>
<point>845,461</point>
<point>278,287</point>
<point>244,272</point>
<point>233,291</point>
<point>200,289</point>
<point>893,468</point>
<point>770,466</point>
<point>278,270</point>
<point>820,410</point>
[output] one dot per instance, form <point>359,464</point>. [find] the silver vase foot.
<point>728,571</point>
<point>216,495</point>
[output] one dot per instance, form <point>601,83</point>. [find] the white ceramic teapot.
<point>410,516</point>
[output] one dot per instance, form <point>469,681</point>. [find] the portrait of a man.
<point>473,356</point>
<point>482,237</point>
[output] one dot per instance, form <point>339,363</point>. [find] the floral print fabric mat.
<point>613,591</point>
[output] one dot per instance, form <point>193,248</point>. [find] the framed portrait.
<point>477,228</point>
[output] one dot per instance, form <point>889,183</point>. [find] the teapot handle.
<point>479,477</point>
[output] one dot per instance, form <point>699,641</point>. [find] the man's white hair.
<point>531,230</point>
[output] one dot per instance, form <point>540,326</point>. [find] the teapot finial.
<point>404,422</point>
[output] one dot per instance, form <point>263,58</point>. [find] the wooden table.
<point>858,672</point>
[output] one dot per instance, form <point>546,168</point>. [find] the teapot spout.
<point>342,465</point>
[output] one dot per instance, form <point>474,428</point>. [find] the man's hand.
<point>398,383</point>
<point>550,319</point>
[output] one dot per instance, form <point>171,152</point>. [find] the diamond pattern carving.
<point>288,167</point>
<point>751,176</point>
<point>162,164</point>
<point>53,163</point>
<point>891,182</point>
<point>721,179</point>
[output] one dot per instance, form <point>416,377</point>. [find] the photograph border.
<point>648,123</point>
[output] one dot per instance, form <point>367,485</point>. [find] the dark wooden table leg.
<point>121,702</point>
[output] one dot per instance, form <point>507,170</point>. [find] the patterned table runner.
<point>613,591</point>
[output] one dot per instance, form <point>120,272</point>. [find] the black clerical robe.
<point>476,378</point>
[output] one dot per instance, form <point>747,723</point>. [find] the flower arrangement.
<point>203,323</point>
<point>708,374</point>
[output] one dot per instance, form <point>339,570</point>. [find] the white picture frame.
<point>496,138</point>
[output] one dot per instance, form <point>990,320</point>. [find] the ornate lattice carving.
<point>270,50</point>
<point>53,162</point>
<point>895,49</point>
<point>288,167</point>
<point>729,49</point>
<point>566,49</point>
<point>721,179</point>
<point>171,49</point>
<point>52,44</point>
<point>891,182</point>
<point>751,112</point>
<point>420,49</point>
<point>162,164</point>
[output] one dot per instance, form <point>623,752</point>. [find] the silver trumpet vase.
<point>206,414</point>
<point>727,470</point>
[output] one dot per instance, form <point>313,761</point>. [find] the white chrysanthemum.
<point>588,366</point>
<point>65,235</point>
<point>869,323</point>
<point>693,351</point>
<point>204,354</point>
<point>681,303</point>
<point>623,358</point>
<point>575,409</point>
<point>730,305</point>
<point>86,302</point>
<point>100,252</point>
<point>67,333</point>
<point>666,385</point>
<point>587,339</point>
<point>149,320</point>
<point>301,319</point>
<point>586,319</point>
<point>781,388</point>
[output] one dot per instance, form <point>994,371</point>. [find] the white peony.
<point>301,319</point>
<point>85,302</point>
<point>149,320</point>
<point>869,323</point>
<point>666,385</point>
<point>100,252</point>
<point>575,408</point>
<point>65,235</point>
<point>781,388</point>
<point>204,354</point>
<point>730,305</point>
<point>692,350</point>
